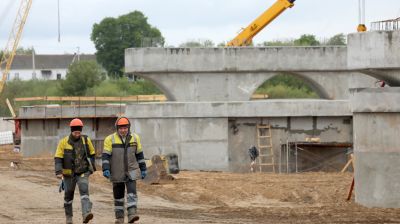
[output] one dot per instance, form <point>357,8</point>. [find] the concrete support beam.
<point>233,74</point>
<point>58,111</point>
<point>264,108</point>
<point>376,122</point>
<point>248,59</point>
<point>230,74</point>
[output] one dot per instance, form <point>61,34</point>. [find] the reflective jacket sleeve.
<point>59,157</point>
<point>139,154</point>
<point>106,155</point>
<point>92,151</point>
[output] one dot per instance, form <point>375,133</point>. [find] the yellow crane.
<point>13,41</point>
<point>245,37</point>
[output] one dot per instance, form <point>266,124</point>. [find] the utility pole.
<point>33,64</point>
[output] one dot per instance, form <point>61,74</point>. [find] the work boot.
<point>87,217</point>
<point>68,220</point>
<point>119,220</point>
<point>133,218</point>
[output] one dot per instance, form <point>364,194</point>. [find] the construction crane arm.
<point>13,41</point>
<point>245,37</point>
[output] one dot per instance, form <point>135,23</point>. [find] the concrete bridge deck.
<point>234,74</point>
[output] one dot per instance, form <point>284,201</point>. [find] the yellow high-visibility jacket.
<point>65,155</point>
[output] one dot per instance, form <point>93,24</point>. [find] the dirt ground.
<point>30,194</point>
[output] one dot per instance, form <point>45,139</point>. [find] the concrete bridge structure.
<point>233,74</point>
<point>210,122</point>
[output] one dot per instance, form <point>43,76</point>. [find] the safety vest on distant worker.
<point>123,159</point>
<point>71,160</point>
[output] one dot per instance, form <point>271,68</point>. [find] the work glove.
<point>59,176</point>
<point>106,174</point>
<point>143,173</point>
<point>61,187</point>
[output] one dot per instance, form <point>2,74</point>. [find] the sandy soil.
<point>30,194</point>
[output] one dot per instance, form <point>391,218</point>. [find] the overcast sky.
<point>184,20</point>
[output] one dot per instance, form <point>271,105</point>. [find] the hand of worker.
<point>143,173</point>
<point>106,174</point>
<point>59,176</point>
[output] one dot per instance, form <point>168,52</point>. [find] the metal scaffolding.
<point>386,25</point>
<point>292,152</point>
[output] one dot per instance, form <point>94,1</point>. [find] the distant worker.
<point>380,83</point>
<point>74,162</point>
<point>122,157</point>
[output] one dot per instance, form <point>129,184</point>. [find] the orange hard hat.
<point>122,121</point>
<point>76,122</point>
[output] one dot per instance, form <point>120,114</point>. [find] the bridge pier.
<point>376,123</point>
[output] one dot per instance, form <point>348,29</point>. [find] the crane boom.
<point>245,37</point>
<point>13,40</point>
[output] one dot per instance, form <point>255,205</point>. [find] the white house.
<point>44,67</point>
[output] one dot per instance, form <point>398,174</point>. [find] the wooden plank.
<point>93,98</point>
<point>347,165</point>
<point>29,99</point>
<point>10,108</point>
<point>259,96</point>
<point>350,190</point>
<point>112,98</point>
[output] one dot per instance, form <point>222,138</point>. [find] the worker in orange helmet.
<point>122,157</point>
<point>74,162</point>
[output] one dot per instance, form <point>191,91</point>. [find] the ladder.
<point>264,142</point>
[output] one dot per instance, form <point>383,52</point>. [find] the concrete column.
<point>376,122</point>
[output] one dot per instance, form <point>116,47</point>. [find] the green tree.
<point>21,51</point>
<point>338,39</point>
<point>18,88</point>
<point>286,86</point>
<point>277,43</point>
<point>25,51</point>
<point>222,44</point>
<point>81,76</point>
<point>306,40</point>
<point>113,35</point>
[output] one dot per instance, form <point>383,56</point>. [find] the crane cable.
<point>361,11</point>
<point>59,29</point>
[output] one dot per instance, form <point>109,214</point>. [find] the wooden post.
<point>351,190</point>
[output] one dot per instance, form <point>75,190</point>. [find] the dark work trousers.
<point>131,198</point>
<point>83,184</point>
